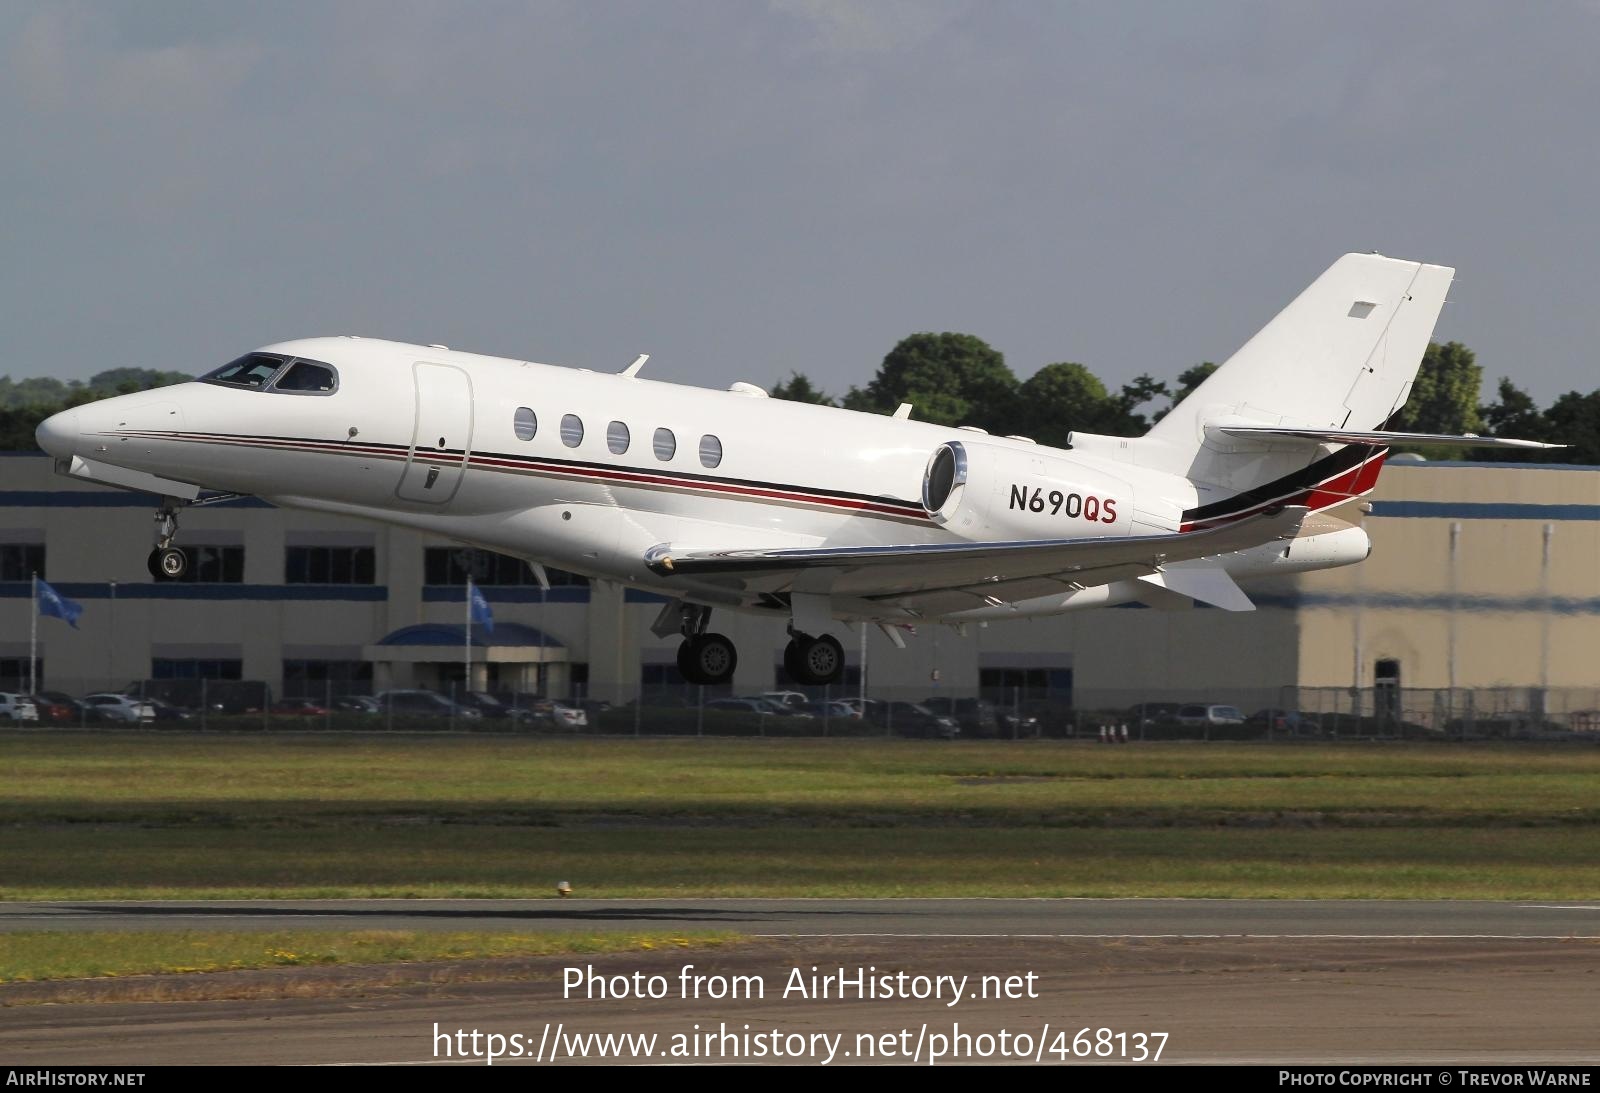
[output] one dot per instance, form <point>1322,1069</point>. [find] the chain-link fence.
<point>1013,713</point>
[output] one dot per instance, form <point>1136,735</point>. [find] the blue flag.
<point>57,606</point>
<point>480,611</point>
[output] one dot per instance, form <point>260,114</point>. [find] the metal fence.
<point>1018,713</point>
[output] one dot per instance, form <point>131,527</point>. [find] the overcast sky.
<point>747,188</point>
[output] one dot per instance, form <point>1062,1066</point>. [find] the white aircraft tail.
<point>1341,358</point>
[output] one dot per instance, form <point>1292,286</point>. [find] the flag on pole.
<point>55,605</point>
<point>479,610</point>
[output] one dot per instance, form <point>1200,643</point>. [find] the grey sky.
<point>744,188</point>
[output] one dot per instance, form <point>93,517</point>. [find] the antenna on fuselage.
<point>633,369</point>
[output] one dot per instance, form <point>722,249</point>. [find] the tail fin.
<point>1342,356</point>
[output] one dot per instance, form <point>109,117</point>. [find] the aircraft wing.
<point>991,572</point>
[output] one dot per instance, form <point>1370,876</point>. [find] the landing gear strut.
<point>814,662</point>
<point>706,659</point>
<point>167,562</point>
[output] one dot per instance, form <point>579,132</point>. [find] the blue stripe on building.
<point>150,590</point>
<point>1464,603</point>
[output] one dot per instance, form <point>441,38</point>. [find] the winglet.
<point>633,369</point>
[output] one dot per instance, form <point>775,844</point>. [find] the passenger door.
<point>441,441</point>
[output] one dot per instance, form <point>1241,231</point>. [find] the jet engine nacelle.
<point>987,491</point>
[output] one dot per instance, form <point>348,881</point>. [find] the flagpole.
<point>33,640</point>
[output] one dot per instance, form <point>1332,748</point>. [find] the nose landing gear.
<point>167,562</point>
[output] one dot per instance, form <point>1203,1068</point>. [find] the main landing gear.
<point>707,659</point>
<point>167,562</point>
<point>814,662</point>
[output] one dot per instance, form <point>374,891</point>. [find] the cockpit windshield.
<point>250,370</point>
<point>277,374</point>
<point>307,378</point>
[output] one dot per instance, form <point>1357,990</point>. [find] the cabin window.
<point>666,445</point>
<point>524,423</point>
<point>572,430</point>
<point>617,437</point>
<point>251,370</point>
<point>710,451</point>
<point>307,378</point>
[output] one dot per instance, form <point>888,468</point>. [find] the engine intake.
<point>988,491</point>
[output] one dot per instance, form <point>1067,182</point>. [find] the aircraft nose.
<point>58,433</point>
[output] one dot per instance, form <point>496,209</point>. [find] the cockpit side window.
<point>305,377</point>
<point>253,370</point>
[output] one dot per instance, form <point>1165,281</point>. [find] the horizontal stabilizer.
<point>1377,437</point>
<point>1203,583</point>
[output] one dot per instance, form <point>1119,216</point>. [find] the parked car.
<point>558,715</point>
<point>166,711</point>
<point>423,704</point>
<point>16,707</point>
<point>782,709</point>
<point>759,706</point>
<point>359,704</point>
<point>832,710</point>
<point>794,700</point>
<point>299,707</point>
<point>912,719</point>
<point>1195,716</point>
<point>119,709</point>
<point>59,707</point>
<point>1287,722</point>
<point>1148,714</point>
<point>492,707</point>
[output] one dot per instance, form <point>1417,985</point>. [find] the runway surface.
<point>1148,918</point>
<point>1327,982</point>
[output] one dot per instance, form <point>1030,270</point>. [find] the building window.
<point>571,430</point>
<point>14,673</point>
<point>214,565</point>
<point>195,668</point>
<point>617,437</point>
<point>666,445</point>
<point>524,423</point>
<point>1005,684</point>
<point>20,561</point>
<point>330,565</point>
<point>710,451</point>
<point>315,678</point>
<point>451,566</point>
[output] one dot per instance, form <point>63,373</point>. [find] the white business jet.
<point>729,499</point>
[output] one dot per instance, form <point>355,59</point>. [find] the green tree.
<point>1444,398</point>
<point>1188,380</point>
<point>1575,421</point>
<point>799,388</point>
<point>1514,414</point>
<point>950,379</point>
<point>1060,398</point>
<point>123,381</point>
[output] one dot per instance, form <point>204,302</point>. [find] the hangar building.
<point>1483,577</point>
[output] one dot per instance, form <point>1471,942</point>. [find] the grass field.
<point>102,815</point>
<point>29,957</point>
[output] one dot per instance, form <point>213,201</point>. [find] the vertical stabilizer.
<point>1343,355</point>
